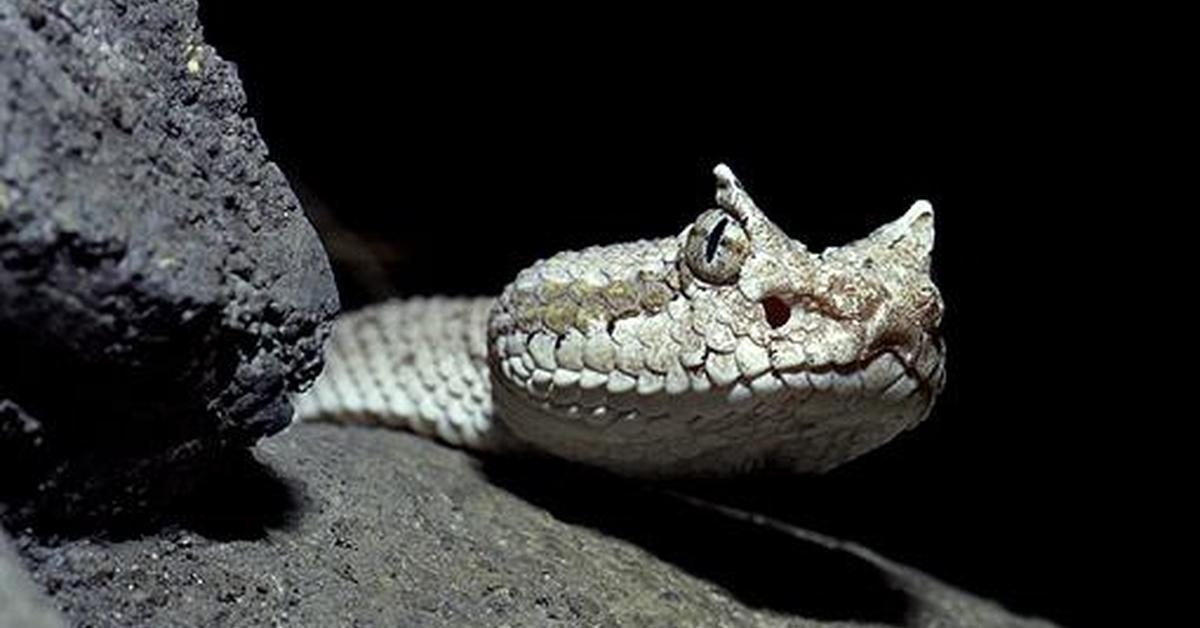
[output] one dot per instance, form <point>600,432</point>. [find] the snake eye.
<point>716,247</point>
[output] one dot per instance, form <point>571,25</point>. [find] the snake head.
<point>730,346</point>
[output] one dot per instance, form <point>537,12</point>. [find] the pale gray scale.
<point>721,368</point>
<point>599,352</point>
<point>517,370</point>
<point>569,350</point>
<point>720,338</point>
<point>700,383</point>
<point>527,364</point>
<point>630,358</point>
<point>650,384</point>
<point>767,384</point>
<point>692,349</point>
<point>541,349</point>
<point>663,356</point>
<point>752,359</point>
<point>620,384</point>
<point>702,316</point>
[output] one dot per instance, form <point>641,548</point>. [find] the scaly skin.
<point>726,348</point>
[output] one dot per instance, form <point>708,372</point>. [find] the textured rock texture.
<point>21,604</point>
<point>160,288</point>
<point>358,526</point>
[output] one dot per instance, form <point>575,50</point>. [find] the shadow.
<point>225,496</point>
<point>242,499</point>
<point>763,566</point>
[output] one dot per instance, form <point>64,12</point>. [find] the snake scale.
<point>727,348</point>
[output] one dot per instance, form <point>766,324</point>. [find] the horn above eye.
<point>716,247</point>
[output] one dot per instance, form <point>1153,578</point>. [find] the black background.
<point>442,158</point>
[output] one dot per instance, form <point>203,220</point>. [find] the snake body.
<point>727,348</point>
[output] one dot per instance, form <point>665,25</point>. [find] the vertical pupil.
<point>714,239</point>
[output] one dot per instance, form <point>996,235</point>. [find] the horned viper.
<point>726,348</point>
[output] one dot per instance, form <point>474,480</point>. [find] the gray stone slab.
<point>360,526</point>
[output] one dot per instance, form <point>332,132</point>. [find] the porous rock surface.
<point>341,526</point>
<point>160,288</point>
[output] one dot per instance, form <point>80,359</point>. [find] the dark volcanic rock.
<point>160,288</point>
<point>339,526</point>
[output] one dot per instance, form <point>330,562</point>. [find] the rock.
<point>21,604</point>
<point>359,526</point>
<point>160,288</point>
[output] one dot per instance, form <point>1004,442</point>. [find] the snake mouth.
<point>881,379</point>
<point>884,374</point>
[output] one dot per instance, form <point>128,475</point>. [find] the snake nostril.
<point>777,311</point>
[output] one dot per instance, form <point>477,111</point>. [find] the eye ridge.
<point>714,239</point>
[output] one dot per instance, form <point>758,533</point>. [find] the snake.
<point>726,349</point>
